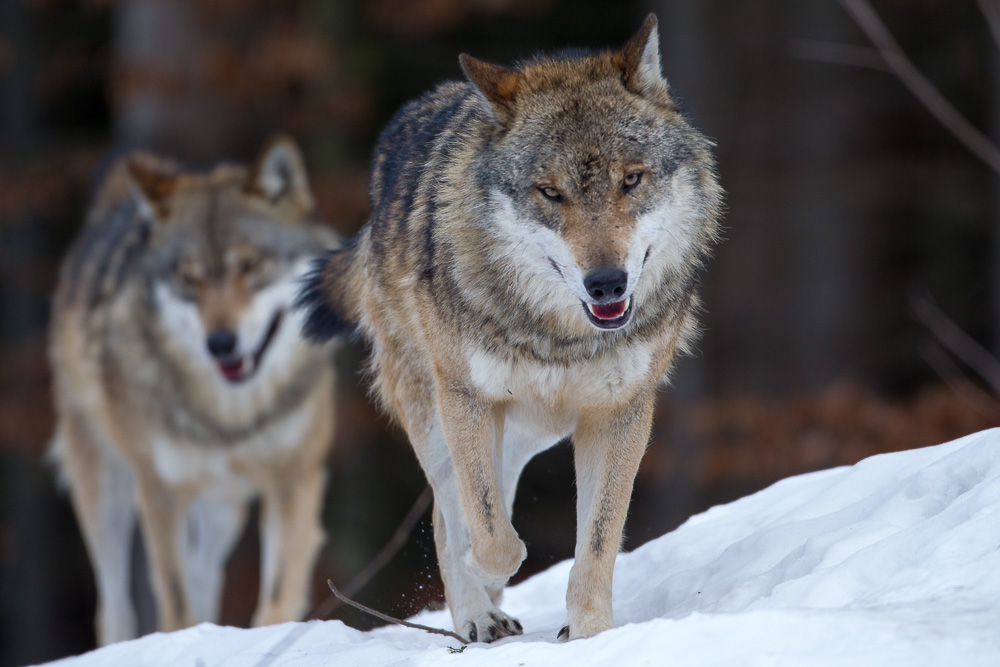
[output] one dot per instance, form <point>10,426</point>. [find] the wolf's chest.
<point>561,387</point>
<point>233,465</point>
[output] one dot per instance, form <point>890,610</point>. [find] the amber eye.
<point>631,180</point>
<point>190,282</point>
<point>248,264</point>
<point>550,193</point>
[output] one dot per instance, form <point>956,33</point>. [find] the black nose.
<point>606,285</point>
<point>221,343</point>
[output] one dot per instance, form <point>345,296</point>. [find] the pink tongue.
<point>233,371</point>
<point>608,311</point>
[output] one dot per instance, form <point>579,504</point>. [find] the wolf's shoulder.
<point>424,116</point>
<point>112,239</point>
<point>418,131</point>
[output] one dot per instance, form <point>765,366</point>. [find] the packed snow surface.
<point>893,561</point>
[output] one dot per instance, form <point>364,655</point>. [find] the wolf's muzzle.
<point>221,343</point>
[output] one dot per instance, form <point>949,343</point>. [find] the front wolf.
<point>183,387</point>
<point>528,273</point>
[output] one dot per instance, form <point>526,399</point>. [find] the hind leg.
<point>214,524</point>
<point>102,490</point>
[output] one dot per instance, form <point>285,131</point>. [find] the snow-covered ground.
<point>893,561</point>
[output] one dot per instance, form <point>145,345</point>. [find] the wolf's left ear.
<point>279,175</point>
<point>498,84</point>
<point>152,182</point>
<point>641,63</point>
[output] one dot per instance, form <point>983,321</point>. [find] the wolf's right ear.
<point>279,174</point>
<point>642,72</point>
<point>151,184</point>
<point>498,84</point>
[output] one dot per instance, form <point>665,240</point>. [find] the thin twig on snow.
<point>390,619</point>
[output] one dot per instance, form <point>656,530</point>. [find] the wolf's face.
<point>229,248</point>
<point>596,178</point>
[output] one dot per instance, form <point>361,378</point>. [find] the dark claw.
<point>473,635</point>
<point>517,626</point>
<point>563,634</point>
<point>502,621</point>
<point>492,631</point>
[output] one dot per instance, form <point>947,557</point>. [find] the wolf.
<point>528,273</point>
<point>183,387</point>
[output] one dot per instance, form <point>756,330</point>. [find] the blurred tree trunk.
<point>27,509</point>
<point>155,50</point>
<point>994,132</point>
<point>19,313</point>
<point>168,83</point>
<point>17,99</point>
<point>785,278</point>
<point>685,29</point>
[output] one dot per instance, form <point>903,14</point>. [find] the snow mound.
<point>895,560</point>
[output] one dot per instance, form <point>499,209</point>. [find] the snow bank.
<point>893,561</point>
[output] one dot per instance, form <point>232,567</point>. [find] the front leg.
<point>291,537</point>
<point>163,518</point>
<point>473,431</point>
<point>608,446</point>
<point>291,509</point>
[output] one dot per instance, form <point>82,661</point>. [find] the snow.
<point>893,561</point>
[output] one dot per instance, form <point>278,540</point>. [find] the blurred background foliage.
<point>845,198</point>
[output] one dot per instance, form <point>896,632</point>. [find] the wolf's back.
<point>405,181</point>
<point>108,248</point>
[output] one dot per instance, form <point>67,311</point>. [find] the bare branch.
<point>980,401</point>
<point>925,92</point>
<point>386,554</point>
<point>390,549</point>
<point>390,619</point>
<point>991,12</point>
<point>956,341</point>
<point>834,53</point>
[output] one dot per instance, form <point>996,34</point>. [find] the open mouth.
<point>240,369</point>
<point>609,315</point>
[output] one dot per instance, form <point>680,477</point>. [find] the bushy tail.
<point>329,297</point>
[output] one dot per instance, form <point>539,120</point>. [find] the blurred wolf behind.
<point>183,387</point>
<point>528,273</point>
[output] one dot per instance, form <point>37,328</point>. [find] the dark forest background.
<point>846,200</point>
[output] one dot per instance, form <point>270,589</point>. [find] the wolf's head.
<point>227,250</point>
<point>598,184</point>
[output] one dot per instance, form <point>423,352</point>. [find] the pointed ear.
<point>498,84</point>
<point>279,174</point>
<point>152,183</point>
<point>641,62</point>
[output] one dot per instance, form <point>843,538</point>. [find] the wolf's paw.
<point>566,634</point>
<point>497,559</point>
<point>491,627</point>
